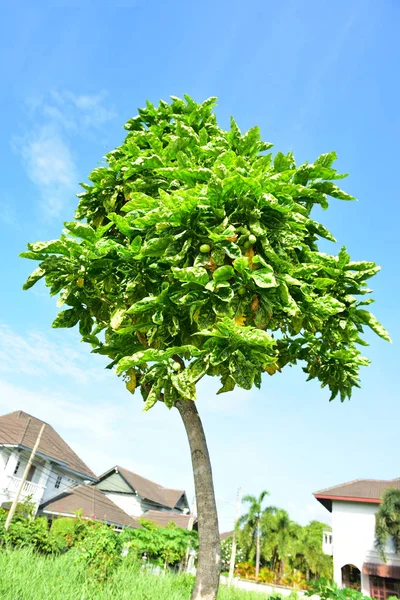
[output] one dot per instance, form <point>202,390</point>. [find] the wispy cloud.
<point>77,111</point>
<point>35,354</point>
<point>50,166</point>
<point>46,147</point>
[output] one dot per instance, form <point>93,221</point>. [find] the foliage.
<point>250,523</point>
<point>387,525</point>
<point>26,532</point>
<point>328,590</point>
<point>226,551</point>
<point>290,554</point>
<point>164,545</point>
<point>68,531</point>
<point>100,551</point>
<point>29,576</point>
<point>195,243</point>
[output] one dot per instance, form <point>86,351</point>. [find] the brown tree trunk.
<point>258,551</point>
<point>209,557</point>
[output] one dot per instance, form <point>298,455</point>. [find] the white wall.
<point>353,525</point>
<point>128,502</point>
<point>67,481</point>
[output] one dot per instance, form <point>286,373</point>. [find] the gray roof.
<point>147,489</point>
<point>93,504</point>
<point>20,429</point>
<point>162,518</point>
<point>359,490</point>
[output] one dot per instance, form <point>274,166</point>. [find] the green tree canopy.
<point>387,526</point>
<point>197,242</point>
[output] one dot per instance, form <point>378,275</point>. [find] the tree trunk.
<point>209,557</point>
<point>258,551</point>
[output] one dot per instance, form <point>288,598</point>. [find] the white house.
<point>55,468</point>
<point>140,497</point>
<point>356,563</point>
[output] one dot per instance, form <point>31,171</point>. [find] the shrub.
<point>246,570</point>
<point>328,590</point>
<point>68,531</point>
<point>26,532</point>
<point>100,551</point>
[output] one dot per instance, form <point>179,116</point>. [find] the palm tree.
<point>251,522</point>
<point>387,524</point>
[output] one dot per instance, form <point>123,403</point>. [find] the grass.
<point>25,575</point>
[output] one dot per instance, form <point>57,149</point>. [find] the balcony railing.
<point>29,489</point>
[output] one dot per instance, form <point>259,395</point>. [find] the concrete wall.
<point>128,502</point>
<point>353,525</point>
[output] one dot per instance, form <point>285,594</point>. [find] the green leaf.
<point>81,230</point>
<point>333,190</point>
<point>242,370</point>
<point>139,201</point>
<point>51,247</point>
<point>223,273</point>
<point>369,319</point>
<point>121,223</point>
<point>326,160</point>
<point>155,247</point>
<point>264,278</point>
<point>241,265</point>
<point>117,317</point>
<point>191,275</point>
<point>344,257</point>
<point>33,278</point>
<point>184,385</point>
<point>153,397</point>
<point>67,318</point>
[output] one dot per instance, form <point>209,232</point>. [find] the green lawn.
<point>28,576</point>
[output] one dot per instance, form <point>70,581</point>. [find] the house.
<point>140,497</point>
<point>55,467</point>
<point>226,535</point>
<point>356,563</point>
<point>91,503</point>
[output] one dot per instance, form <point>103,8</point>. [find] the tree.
<point>279,535</point>
<point>387,525</point>
<point>251,523</point>
<point>194,253</point>
<point>309,553</point>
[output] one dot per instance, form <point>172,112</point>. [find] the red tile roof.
<point>20,429</point>
<point>359,490</point>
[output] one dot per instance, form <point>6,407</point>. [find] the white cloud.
<point>46,148</point>
<point>50,166</point>
<point>77,111</point>
<point>34,354</point>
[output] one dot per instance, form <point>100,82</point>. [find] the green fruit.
<point>176,366</point>
<point>252,239</point>
<point>241,291</point>
<point>205,248</point>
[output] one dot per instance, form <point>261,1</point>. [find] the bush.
<point>328,590</point>
<point>26,532</point>
<point>66,532</point>
<point>100,551</point>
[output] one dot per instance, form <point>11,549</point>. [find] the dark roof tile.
<point>20,429</point>
<point>93,504</point>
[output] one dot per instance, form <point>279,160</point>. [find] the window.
<point>58,482</point>
<point>383,588</point>
<point>17,466</point>
<point>330,539</point>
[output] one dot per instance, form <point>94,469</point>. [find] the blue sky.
<point>315,76</point>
